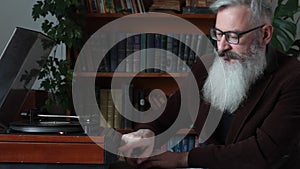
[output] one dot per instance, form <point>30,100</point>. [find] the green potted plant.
<point>57,80</point>
<point>67,28</point>
<point>285,20</point>
<point>56,74</point>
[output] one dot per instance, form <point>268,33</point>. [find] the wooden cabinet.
<point>16,148</point>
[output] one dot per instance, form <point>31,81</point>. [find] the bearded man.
<point>259,98</point>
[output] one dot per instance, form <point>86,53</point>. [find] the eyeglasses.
<point>232,37</point>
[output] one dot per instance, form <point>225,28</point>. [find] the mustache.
<point>230,55</point>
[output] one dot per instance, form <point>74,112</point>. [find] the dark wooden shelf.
<point>128,74</point>
<point>97,20</point>
<point>118,15</point>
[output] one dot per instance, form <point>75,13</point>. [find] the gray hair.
<point>261,10</point>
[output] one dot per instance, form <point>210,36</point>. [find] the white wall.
<point>17,13</point>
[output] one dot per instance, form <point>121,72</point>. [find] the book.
<point>163,55</point>
<point>129,51</point>
<point>141,6</point>
<point>135,7</point>
<point>136,53</point>
<point>127,91</point>
<point>110,109</point>
<point>129,6</point>
<point>192,54</point>
<point>117,100</point>
<point>143,63</point>
<point>113,53</point>
<point>186,52</point>
<point>175,51</point>
<point>181,47</point>
<point>150,40</point>
<point>157,53</point>
<point>93,7</point>
<point>118,6</point>
<point>103,107</point>
<point>170,63</point>
<point>121,48</point>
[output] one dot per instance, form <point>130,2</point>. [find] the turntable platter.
<point>46,127</point>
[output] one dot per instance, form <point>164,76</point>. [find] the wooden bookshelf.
<point>147,81</point>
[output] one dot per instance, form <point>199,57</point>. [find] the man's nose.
<point>223,45</point>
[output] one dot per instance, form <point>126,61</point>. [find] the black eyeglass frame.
<point>239,34</point>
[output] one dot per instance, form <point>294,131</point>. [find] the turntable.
<point>42,123</point>
<point>22,53</point>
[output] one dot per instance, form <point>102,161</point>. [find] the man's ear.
<point>267,33</point>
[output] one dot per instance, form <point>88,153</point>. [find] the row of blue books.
<point>151,52</point>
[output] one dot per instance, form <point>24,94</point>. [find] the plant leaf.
<point>284,34</point>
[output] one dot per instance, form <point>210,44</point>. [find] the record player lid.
<point>20,55</point>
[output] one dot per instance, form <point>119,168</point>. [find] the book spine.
<point>136,53</point>
<point>103,107</point>
<point>192,54</point>
<point>163,55</point>
<point>110,109</point>
<point>129,6</point>
<point>117,98</point>
<point>150,52</point>
<point>118,6</point>
<point>175,50</point>
<point>181,52</point>
<point>157,54</point>
<point>129,51</point>
<point>186,51</point>
<point>135,7</point>
<point>121,48</point>
<point>113,54</point>
<point>143,63</point>
<point>139,6</point>
<point>93,6</point>
<point>143,5</point>
<point>169,59</point>
<point>127,106</point>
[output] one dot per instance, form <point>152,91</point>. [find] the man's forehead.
<point>233,18</point>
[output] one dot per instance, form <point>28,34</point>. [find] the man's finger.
<point>127,147</point>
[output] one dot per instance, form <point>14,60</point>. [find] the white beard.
<point>228,83</point>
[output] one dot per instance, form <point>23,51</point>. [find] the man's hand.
<point>138,146</point>
<point>166,160</point>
